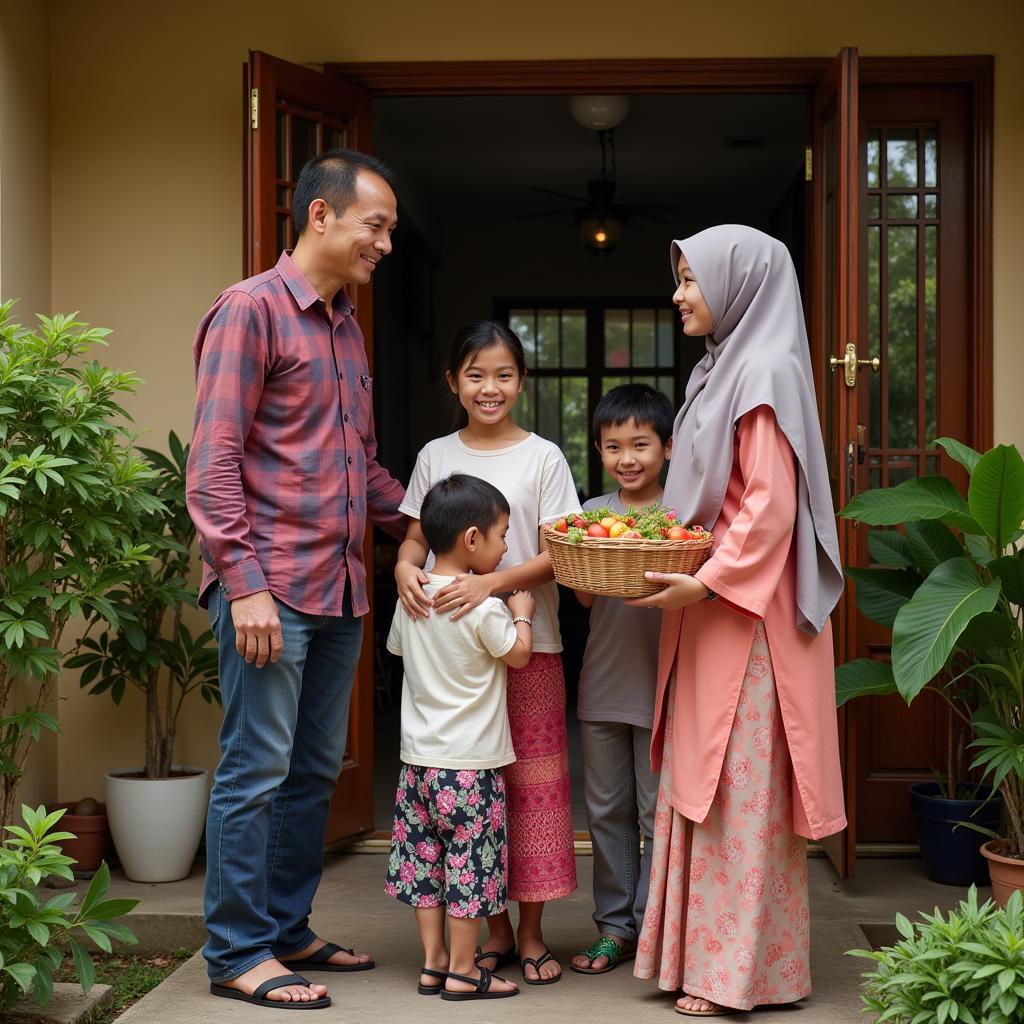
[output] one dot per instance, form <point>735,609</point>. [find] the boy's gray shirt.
<point>620,664</point>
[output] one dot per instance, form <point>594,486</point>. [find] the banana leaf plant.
<point>950,585</point>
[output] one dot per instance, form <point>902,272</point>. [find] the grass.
<point>131,977</point>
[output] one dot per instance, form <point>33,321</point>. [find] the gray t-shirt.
<point>620,664</point>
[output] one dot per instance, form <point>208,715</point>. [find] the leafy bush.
<point>36,936</point>
<point>950,585</point>
<point>155,651</point>
<point>967,967</point>
<point>73,495</point>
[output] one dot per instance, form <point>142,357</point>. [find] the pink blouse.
<point>753,570</point>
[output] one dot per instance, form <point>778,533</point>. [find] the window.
<point>577,350</point>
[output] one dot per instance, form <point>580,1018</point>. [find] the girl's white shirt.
<point>537,482</point>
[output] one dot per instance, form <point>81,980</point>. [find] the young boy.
<point>633,433</point>
<point>448,848</point>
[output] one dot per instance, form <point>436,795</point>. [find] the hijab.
<point>757,354</point>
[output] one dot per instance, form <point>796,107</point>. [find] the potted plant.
<point>966,967</point>
<point>157,811</point>
<point>73,496</point>
<point>951,585</point>
<point>88,842</point>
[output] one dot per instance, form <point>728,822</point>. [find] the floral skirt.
<point>542,865</point>
<point>727,916</point>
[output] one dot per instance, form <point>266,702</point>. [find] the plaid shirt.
<point>283,468</point>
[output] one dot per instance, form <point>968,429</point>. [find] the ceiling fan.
<point>599,216</point>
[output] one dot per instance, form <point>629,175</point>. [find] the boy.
<point>448,848</point>
<point>633,433</point>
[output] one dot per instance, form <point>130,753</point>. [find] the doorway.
<point>478,239</point>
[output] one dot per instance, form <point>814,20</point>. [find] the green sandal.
<point>604,946</point>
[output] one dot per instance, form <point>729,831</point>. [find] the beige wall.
<point>25,235</point>
<point>147,165</point>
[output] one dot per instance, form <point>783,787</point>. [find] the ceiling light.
<point>599,113</point>
<point>601,234</point>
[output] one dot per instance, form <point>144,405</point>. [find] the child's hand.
<point>410,580</point>
<point>463,594</point>
<point>522,603</point>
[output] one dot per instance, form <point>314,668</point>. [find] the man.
<point>281,479</point>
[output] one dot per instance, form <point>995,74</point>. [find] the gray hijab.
<point>757,355</point>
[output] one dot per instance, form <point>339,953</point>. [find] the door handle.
<point>851,364</point>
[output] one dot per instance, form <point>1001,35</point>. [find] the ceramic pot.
<point>1007,873</point>
<point>157,823</point>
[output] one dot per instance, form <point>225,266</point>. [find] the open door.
<point>292,113</point>
<point>835,346</point>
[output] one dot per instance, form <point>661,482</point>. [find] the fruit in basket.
<point>561,526</point>
<point>653,523</point>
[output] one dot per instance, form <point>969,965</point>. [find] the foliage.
<point>967,967</point>
<point>36,936</point>
<point>164,661</point>
<point>951,587</point>
<point>73,496</point>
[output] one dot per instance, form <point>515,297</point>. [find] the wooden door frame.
<point>741,75</point>
<point>747,75</point>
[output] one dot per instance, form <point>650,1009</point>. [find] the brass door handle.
<point>851,363</point>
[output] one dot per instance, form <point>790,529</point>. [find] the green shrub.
<point>36,934</point>
<point>967,967</point>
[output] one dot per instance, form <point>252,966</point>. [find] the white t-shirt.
<point>453,695</point>
<point>537,482</point>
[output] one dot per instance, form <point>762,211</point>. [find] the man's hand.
<point>257,628</point>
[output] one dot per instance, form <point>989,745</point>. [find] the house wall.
<point>146,172</point>
<point>25,230</point>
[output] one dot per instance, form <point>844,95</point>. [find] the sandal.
<point>608,947</point>
<point>500,959</point>
<point>318,961</point>
<point>259,997</point>
<point>431,990</point>
<point>718,1011</point>
<point>535,964</point>
<point>482,989</point>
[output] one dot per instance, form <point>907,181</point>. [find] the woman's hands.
<point>680,592</point>
<point>410,580</point>
<point>463,594</point>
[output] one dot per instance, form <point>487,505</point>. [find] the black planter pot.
<point>953,855</point>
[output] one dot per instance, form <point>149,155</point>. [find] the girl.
<point>745,722</point>
<point>486,372</point>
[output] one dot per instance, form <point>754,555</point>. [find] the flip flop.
<point>259,996</point>
<point>318,961</point>
<point>500,959</point>
<point>431,990</point>
<point>720,1011</point>
<point>482,990</point>
<point>604,946</point>
<point>535,964</point>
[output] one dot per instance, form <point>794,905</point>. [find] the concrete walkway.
<point>352,909</point>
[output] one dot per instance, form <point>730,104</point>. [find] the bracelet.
<point>522,618</point>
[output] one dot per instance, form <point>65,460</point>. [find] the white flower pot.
<point>157,823</point>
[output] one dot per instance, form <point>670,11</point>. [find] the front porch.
<point>352,908</point>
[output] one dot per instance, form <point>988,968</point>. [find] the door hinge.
<point>254,109</point>
<point>808,164</point>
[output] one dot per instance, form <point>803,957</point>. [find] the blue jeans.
<point>282,742</point>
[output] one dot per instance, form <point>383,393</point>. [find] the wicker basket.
<point>615,567</point>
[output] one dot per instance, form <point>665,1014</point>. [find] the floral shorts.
<point>448,844</point>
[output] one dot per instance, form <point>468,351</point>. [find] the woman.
<point>745,723</point>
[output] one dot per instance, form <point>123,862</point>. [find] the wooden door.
<point>292,113</point>
<point>917,299</point>
<point>834,326</point>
